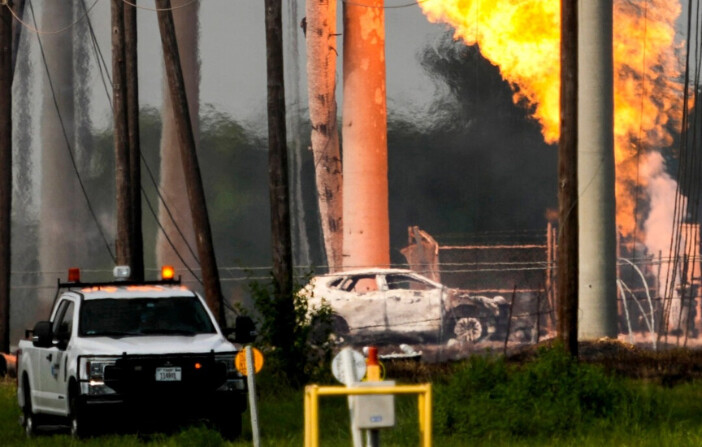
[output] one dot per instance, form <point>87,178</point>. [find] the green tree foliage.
<point>309,353</point>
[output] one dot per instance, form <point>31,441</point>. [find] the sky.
<point>232,54</point>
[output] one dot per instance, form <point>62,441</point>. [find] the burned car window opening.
<point>144,316</point>
<point>402,282</point>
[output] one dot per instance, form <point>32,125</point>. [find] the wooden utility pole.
<point>278,180</point>
<point>5,172</point>
<point>191,167</point>
<point>121,140</point>
<point>132,86</point>
<point>568,181</point>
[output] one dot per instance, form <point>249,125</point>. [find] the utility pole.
<point>119,100</point>
<point>132,86</point>
<point>568,181</point>
<point>278,182</point>
<point>364,135</point>
<point>5,172</point>
<point>321,87</point>
<point>597,272</point>
<point>191,167</point>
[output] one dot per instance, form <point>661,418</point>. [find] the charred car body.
<point>401,305</point>
<point>129,352</point>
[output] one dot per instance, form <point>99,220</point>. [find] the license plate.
<point>171,374</point>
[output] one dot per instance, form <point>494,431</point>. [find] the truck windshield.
<point>144,316</point>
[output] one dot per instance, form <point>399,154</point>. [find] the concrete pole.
<point>597,316</point>
<point>364,135</point>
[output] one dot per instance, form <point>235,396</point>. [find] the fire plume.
<point>522,38</point>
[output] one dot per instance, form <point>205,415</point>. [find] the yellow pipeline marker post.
<point>312,393</point>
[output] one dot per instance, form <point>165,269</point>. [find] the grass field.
<point>549,402</point>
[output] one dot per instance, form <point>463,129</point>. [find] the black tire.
<point>77,418</point>
<point>321,329</point>
<point>28,419</point>
<point>340,326</point>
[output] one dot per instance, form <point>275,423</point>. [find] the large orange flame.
<point>522,37</point>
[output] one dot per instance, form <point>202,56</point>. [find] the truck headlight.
<point>235,380</point>
<point>93,368</point>
<point>228,361</point>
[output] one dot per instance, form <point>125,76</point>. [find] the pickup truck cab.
<point>124,352</point>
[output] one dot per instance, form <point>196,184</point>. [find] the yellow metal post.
<point>427,416</point>
<point>422,417</point>
<point>312,393</point>
<point>308,418</point>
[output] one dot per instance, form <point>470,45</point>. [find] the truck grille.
<point>144,376</point>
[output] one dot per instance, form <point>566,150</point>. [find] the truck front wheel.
<point>76,417</point>
<point>28,419</point>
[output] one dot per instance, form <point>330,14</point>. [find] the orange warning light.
<point>167,272</point>
<point>74,274</point>
<point>198,365</point>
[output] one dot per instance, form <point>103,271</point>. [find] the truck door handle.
<point>49,357</point>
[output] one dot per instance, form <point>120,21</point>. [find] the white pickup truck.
<point>122,353</point>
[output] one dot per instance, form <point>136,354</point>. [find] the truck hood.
<point>154,344</point>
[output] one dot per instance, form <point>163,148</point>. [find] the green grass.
<point>480,402</point>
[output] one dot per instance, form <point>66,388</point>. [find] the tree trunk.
<point>364,134</point>
<point>175,215</point>
<point>321,86</point>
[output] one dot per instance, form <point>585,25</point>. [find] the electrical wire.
<point>364,5</point>
<point>36,30</point>
<point>105,74</point>
<point>172,8</point>
<point>168,239</point>
<point>641,113</point>
<point>102,67</point>
<point>68,144</point>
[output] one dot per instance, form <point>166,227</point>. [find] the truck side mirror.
<point>244,330</point>
<point>41,335</point>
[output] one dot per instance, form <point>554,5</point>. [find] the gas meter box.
<point>374,411</point>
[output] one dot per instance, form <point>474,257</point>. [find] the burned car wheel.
<point>468,329</point>
<point>323,327</point>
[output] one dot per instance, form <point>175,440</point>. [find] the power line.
<point>36,30</point>
<point>68,143</point>
<point>365,5</point>
<point>172,8</point>
<point>102,67</point>
<point>105,74</point>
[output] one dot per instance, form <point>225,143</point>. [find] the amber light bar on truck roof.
<point>121,279</point>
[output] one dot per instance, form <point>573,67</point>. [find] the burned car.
<point>396,304</point>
